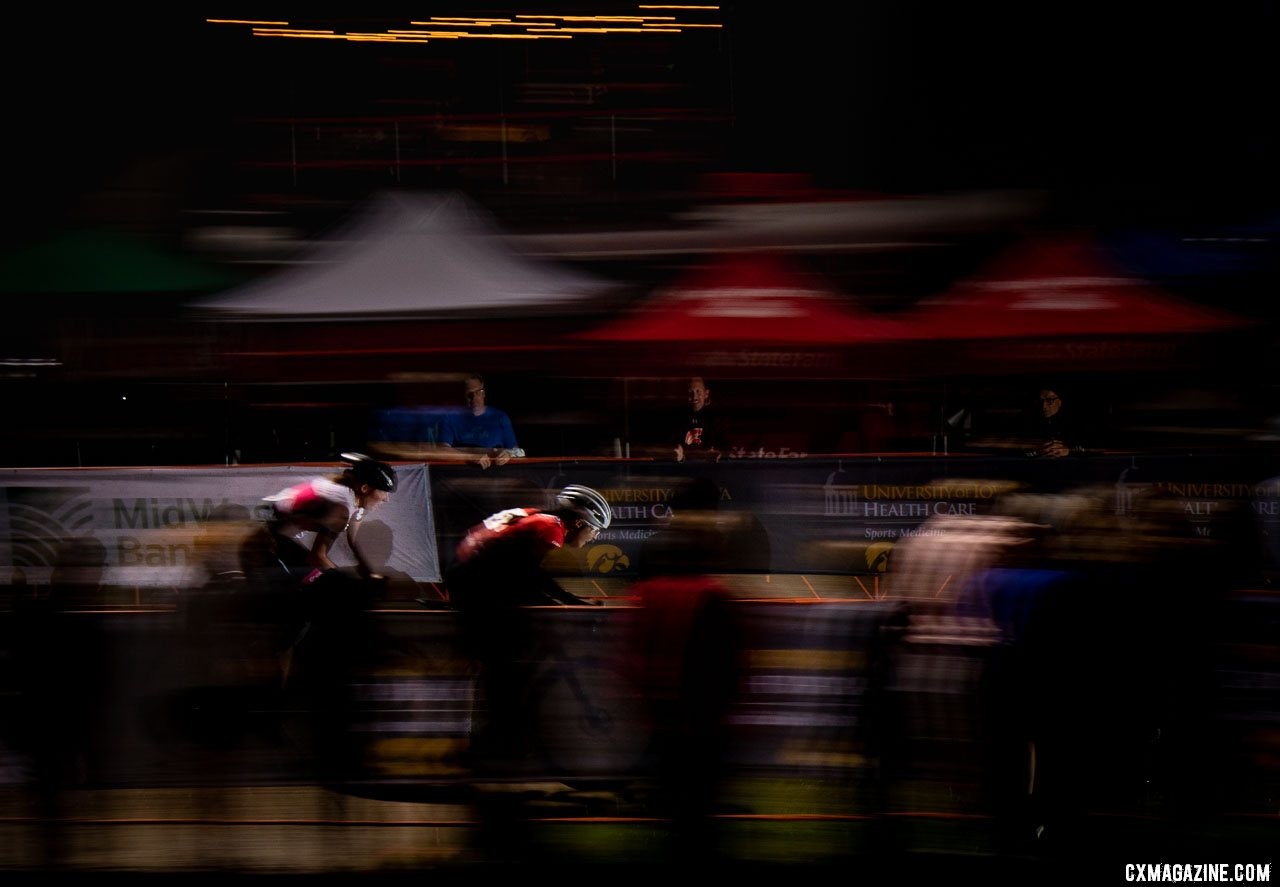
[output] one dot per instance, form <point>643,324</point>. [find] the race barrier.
<point>844,515</point>
<point>169,527</point>
<point>165,526</point>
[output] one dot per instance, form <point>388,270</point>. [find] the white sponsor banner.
<point>163,526</point>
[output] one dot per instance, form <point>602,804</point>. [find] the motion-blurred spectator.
<point>480,429</point>
<point>698,434</point>
<point>685,654</point>
<point>1053,430</point>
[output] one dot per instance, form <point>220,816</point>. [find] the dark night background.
<point>1154,112</point>
<point>1150,126</point>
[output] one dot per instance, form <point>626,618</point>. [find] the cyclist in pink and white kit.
<point>328,507</point>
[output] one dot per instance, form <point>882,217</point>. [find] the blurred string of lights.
<point>549,26</point>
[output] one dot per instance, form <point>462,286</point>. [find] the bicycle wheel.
<point>590,720</point>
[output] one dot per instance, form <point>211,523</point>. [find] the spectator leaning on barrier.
<point>1053,431</point>
<point>698,434</point>
<point>480,429</point>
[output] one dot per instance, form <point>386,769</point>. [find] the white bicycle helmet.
<point>588,503</point>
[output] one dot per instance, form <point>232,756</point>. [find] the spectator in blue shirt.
<point>481,429</point>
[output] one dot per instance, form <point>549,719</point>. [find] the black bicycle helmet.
<point>366,470</point>
<point>586,502</point>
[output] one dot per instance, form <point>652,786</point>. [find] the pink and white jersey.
<point>312,499</point>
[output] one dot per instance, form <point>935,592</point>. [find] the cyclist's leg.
<point>330,659</point>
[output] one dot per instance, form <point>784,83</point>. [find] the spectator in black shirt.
<point>1053,432</point>
<point>698,434</point>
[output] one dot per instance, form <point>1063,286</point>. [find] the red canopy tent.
<point>744,315</point>
<point>1059,301</point>
<point>757,318</point>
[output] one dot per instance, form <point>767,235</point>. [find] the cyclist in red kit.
<point>497,578</point>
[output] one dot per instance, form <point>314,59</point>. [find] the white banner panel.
<point>158,526</point>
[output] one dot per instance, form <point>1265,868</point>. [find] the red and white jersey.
<point>516,531</point>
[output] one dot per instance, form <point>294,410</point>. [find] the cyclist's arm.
<point>327,527</point>
<point>362,565</point>
<point>320,551</point>
<point>551,588</point>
